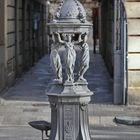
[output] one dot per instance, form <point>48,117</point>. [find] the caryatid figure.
<point>85,56</point>
<point>55,59</point>
<point>70,56</point>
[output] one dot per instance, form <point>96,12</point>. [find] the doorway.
<point>112,33</point>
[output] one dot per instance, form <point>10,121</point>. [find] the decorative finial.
<point>57,14</point>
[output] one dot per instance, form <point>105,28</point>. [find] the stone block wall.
<point>133,17</point>
<point>21,45</point>
<point>2,46</point>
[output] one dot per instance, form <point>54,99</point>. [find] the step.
<point>22,112</point>
<point>115,133</point>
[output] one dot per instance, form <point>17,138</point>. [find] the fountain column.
<point>69,97</point>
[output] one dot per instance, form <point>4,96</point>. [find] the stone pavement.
<point>97,133</point>
<point>115,133</point>
<point>19,133</point>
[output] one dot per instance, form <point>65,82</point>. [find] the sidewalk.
<point>32,86</point>
<point>97,133</point>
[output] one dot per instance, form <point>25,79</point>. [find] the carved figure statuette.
<point>55,60</point>
<point>70,56</point>
<point>85,57</point>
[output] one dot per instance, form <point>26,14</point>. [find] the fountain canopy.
<point>70,17</point>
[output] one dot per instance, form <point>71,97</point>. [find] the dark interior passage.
<point>99,79</point>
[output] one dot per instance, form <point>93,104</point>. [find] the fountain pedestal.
<point>69,112</point>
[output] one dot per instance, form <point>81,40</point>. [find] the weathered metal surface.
<point>43,126</point>
<point>69,117</point>
<point>70,17</point>
<point>69,97</point>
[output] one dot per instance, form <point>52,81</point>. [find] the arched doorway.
<point>113,45</point>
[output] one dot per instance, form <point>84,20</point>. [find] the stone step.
<point>97,133</point>
<point>115,133</point>
<point>24,119</point>
<point>22,112</point>
<point>23,103</point>
<point>19,133</point>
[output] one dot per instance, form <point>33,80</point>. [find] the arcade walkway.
<point>32,86</point>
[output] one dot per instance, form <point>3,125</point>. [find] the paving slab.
<point>97,133</point>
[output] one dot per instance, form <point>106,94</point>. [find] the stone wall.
<point>133,16</point>
<point>10,39</point>
<point>21,45</point>
<point>2,46</point>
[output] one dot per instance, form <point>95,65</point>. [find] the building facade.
<point>133,18</point>
<point>23,37</point>
<point>119,46</point>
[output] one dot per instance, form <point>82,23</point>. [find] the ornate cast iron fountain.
<point>69,97</point>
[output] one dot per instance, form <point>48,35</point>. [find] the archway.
<point>113,45</point>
